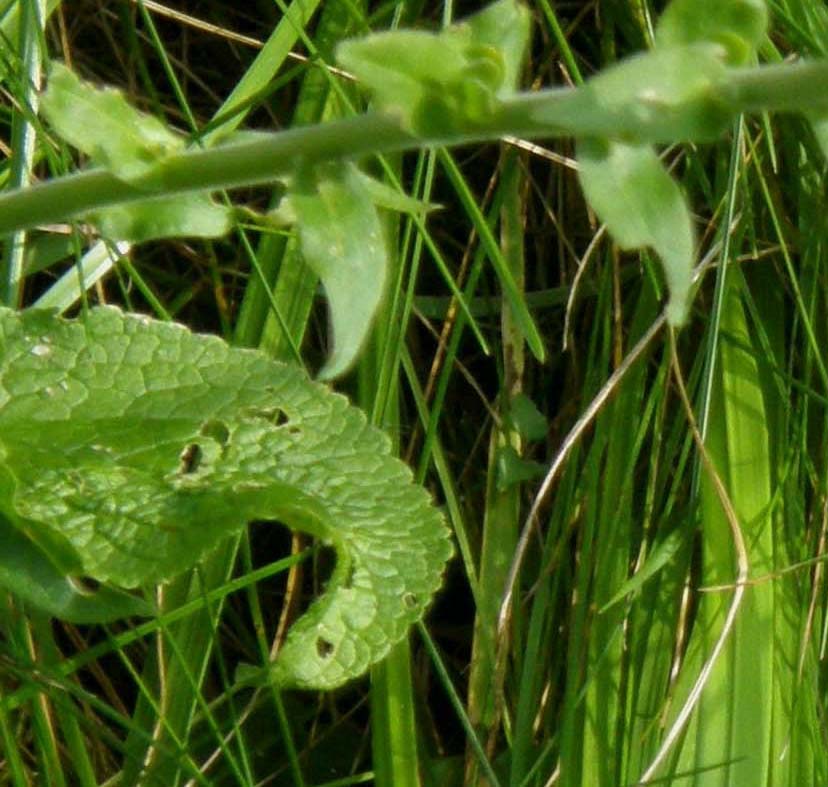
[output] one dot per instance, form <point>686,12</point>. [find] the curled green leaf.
<point>437,82</point>
<point>738,26</point>
<point>144,446</point>
<point>341,240</point>
<point>634,195</point>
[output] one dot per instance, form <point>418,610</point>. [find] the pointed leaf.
<point>101,123</point>
<point>145,446</point>
<point>529,422</point>
<point>385,196</point>
<point>633,194</point>
<point>513,469</point>
<point>184,215</point>
<point>341,240</point>
<point>660,557</point>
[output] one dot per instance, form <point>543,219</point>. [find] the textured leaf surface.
<point>143,445</point>
<point>26,569</point>
<point>633,194</point>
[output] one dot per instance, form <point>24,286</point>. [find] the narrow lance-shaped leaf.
<point>634,195</point>
<point>341,240</point>
<point>143,446</point>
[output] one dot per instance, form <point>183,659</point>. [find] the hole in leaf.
<point>324,648</point>
<point>274,415</point>
<point>190,458</point>
<point>410,600</point>
<point>217,430</point>
<point>86,585</point>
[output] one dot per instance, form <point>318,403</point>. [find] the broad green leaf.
<point>341,240</point>
<point>633,194</point>
<point>671,95</point>
<point>101,123</point>
<point>144,446</point>
<point>438,81</point>
<point>504,26</point>
<point>184,215</point>
<point>739,26</point>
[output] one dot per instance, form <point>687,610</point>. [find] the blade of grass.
<point>502,504</point>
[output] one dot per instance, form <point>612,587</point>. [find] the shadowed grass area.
<point>651,507</point>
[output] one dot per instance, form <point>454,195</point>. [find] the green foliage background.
<point>585,681</point>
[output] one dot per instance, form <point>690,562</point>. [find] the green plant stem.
<point>777,87</point>
<point>781,88</point>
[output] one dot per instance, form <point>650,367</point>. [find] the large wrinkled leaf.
<point>739,26</point>
<point>633,194</point>
<point>436,81</point>
<point>341,240</point>
<point>143,446</point>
